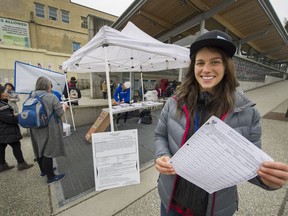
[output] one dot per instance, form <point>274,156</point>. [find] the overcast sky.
<point>117,7</point>
<point>281,8</point>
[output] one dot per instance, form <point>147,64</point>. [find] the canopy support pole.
<point>69,99</point>
<point>108,86</point>
<point>142,87</point>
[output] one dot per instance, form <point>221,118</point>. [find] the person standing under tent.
<point>73,91</point>
<point>104,89</point>
<point>122,95</point>
<point>111,87</point>
<point>209,89</point>
<point>158,90</point>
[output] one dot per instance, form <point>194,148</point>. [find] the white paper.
<point>217,157</point>
<point>116,159</point>
<point>135,106</point>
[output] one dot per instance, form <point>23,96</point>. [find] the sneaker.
<point>55,179</point>
<point>23,166</point>
<point>42,174</point>
<point>5,166</point>
<point>126,124</point>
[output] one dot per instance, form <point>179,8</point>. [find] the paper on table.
<point>217,157</point>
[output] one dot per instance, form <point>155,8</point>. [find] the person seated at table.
<point>122,95</point>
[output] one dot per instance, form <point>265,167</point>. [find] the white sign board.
<point>116,159</point>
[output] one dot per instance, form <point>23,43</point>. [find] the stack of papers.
<point>116,107</point>
<point>218,157</point>
<point>137,105</point>
<point>124,105</point>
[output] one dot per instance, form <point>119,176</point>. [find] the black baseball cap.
<point>214,38</point>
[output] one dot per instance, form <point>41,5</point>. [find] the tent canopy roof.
<point>130,50</point>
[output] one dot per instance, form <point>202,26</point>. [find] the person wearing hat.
<point>209,88</point>
<point>122,95</point>
<point>10,134</point>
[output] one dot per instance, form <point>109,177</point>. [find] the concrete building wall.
<point>50,41</point>
<point>52,35</point>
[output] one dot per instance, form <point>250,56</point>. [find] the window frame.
<point>53,13</point>
<point>39,8</point>
<point>63,15</point>
<point>84,22</point>
<point>75,46</point>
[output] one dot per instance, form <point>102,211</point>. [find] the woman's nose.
<point>207,67</point>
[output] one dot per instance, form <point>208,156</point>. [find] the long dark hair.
<point>221,102</point>
<point>11,85</point>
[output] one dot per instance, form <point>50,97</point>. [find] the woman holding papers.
<point>208,89</point>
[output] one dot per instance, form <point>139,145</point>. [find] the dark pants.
<point>46,166</point>
<point>104,95</point>
<point>17,152</point>
<point>119,116</point>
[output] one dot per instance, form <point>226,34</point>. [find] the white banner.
<point>25,77</point>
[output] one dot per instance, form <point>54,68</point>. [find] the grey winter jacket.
<point>48,141</point>
<point>168,137</point>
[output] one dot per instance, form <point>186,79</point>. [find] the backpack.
<point>34,113</point>
<point>73,94</point>
<point>146,117</point>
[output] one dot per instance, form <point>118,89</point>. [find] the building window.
<point>84,22</point>
<point>76,46</point>
<point>65,16</point>
<point>39,10</point>
<point>53,14</point>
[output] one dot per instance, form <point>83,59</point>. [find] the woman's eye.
<point>215,62</point>
<point>199,63</point>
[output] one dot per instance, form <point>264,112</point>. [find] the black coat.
<point>9,129</point>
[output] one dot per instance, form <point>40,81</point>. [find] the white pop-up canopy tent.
<point>129,50</point>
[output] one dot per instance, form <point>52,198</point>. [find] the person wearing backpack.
<point>74,93</point>
<point>10,134</point>
<point>48,142</point>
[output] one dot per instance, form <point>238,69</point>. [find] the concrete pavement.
<point>26,193</point>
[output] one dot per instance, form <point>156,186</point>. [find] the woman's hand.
<point>163,166</point>
<point>274,174</point>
